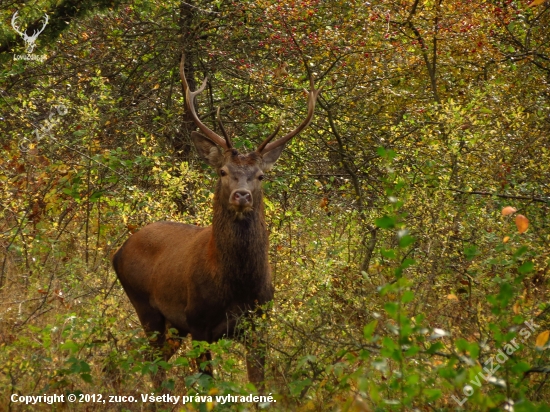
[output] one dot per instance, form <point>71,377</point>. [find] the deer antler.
<point>37,32</point>
<point>268,139</point>
<point>14,24</point>
<point>226,143</point>
<point>190,100</point>
<point>225,135</point>
<point>312,99</point>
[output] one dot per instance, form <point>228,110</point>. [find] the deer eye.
<point>223,172</point>
<point>261,177</point>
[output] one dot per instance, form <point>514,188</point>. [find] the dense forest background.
<point>409,224</point>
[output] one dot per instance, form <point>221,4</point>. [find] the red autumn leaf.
<point>508,210</point>
<point>522,223</point>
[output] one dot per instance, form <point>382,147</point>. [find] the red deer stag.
<point>198,280</point>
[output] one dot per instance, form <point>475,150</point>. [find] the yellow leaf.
<point>309,406</point>
<point>506,239</point>
<point>452,296</point>
<point>522,223</point>
<point>515,308</point>
<point>508,210</point>
<point>536,3</point>
<point>542,339</point>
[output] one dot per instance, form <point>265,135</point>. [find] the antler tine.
<point>14,23</point>
<point>190,99</point>
<point>312,99</point>
<point>46,20</point>
<point>36,32</point>
<point>227,138</point>
<point>268,139</point>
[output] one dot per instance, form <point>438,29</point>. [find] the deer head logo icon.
<point>29,40</point>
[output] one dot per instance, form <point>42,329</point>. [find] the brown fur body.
<point>200,280</point>
<point>196,279</point>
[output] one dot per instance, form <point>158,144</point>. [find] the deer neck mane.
<point>240,245</point>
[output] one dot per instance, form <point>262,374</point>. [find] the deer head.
<point>29,40</point>
<point>240,175</point>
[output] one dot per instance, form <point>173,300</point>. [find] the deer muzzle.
<point>241,199</point>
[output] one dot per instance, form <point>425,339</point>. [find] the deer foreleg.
<point>255,362</point>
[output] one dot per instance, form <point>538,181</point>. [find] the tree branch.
<point>519,197</point>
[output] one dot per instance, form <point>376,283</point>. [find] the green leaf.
<point>526,267</point>
<point>437,346</point>
<point>69,345</point>
<point>86,377</point>
<point>506,292</point>
<point>413,350</point>
<point>169,384</point>
<point>413,379</point>
<point>388,343</point>
<point>386,153</point>
<point>181,361</point>
<point>406,240</point>
<point>374,392</point>
<point>391,308</point>
<point>385,222</point>
<point>84,366</point>
<point>388,253</point>
<point>521,367</point>
<point>407,263</point>
<point>407,297</point>
<point>96,196</point>
<point>471,252</point>
<point>369,329</point>
<point>432,394</point>
<point>296,387</point>
<point>521,251</point>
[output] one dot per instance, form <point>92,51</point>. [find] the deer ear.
<point>271,157</point>
<point>207,149</point>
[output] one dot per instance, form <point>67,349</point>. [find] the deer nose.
<point>241,197</point>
